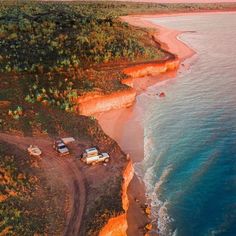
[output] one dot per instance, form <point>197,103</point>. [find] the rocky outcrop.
<point>127,177</point>
<point>97,102</point>
<point>118,226</point>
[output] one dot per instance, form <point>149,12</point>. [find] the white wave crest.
<point>162,179</point>
<point>146,170</point>
<point>159,208</point>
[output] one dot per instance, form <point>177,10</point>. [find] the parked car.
<point>103,157</point>
<point>34,150</point>
<point>90,152</point>
<point>60,147</point>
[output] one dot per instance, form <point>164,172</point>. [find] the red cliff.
<point>118,226</point>
<point>97,102</point>
<point>153,68</point>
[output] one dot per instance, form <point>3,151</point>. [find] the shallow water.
<point>190,135</point>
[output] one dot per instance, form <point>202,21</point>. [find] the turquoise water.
<point>190,135</point>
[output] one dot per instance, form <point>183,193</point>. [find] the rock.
<point>148,211</point>
<point>148,226</point>
<point>136,200</point>
<point>162,94</point>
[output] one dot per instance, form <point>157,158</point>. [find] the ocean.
<point>189,164</point>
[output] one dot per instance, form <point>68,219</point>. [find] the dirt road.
<point>65,169</point>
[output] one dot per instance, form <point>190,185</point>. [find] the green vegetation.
<point>43,37</point>
<point>54,37</point>
<point>35,118</point>
<point>62,90</point>
<point>19,195</point>
<point>61,51</point>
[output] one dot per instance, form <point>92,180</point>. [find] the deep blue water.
<point>190,135</point>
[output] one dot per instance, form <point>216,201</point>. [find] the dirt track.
<point>65,169</point>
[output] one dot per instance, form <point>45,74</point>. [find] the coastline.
<point>125,125</point>
<point>168,38</point>
<point>145,113</point>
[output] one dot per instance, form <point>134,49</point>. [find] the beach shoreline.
<point>125,125</point>
<point>116,122</point>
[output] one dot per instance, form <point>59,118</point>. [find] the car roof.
<point>91,149</point>
<point>61,144</point>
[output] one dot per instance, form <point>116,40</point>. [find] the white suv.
<point>60,147</point>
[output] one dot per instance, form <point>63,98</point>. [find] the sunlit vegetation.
<point>54,37</point>
<point>38,118</point>
<point>126,7</point>
<point>43,37</point>
<point>58,50</point>
<point>62,90</point>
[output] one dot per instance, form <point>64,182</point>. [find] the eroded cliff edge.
<point>96,102</point>
<point>117,226</point>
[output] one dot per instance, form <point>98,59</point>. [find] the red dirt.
<point>56,168</point>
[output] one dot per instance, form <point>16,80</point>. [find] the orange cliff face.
<point>150,69</point>
<point>118,226</point>
<point>128,175</point>
<point>97,102</point>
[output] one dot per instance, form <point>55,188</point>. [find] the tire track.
<point>69,171</point>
